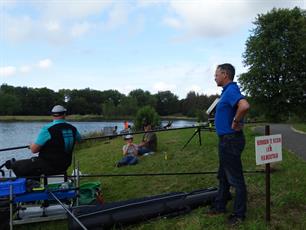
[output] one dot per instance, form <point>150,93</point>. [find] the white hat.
<point>127,137</point>
<point>58,109</point>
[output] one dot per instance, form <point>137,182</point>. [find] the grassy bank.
<point>83,118</point>
<point>300,127</point>
<point>287,182</point>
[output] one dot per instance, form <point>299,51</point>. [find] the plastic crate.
<point>19,186</point>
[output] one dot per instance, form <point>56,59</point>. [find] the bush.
<point>144,115</point>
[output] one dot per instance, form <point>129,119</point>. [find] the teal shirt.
<point>44,134</point>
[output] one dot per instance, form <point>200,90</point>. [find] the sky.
<point>154,45</point>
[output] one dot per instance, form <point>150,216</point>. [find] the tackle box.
<point>18,186</point>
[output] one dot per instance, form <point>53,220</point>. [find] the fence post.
<point>268,195</point>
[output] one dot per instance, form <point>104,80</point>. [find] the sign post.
<point>268,150</point>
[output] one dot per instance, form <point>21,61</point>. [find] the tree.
<point>143,98</point>
<point>9,104</point>
<point>167,103</point>
<point>128,106</point>
<point>275,54</point>
<point>147,115</point>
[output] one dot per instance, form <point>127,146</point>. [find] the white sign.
<point>268,149</point>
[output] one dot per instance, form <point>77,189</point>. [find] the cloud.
<point>163,86</point>
<point>56,22</point>
<point>7,71</point>
<point>25,69</point>
<point>17,29</point>
<point>52,26</point>
<point>44,64</point>
<point>79,29</point>
<point>118,15</point>
<point>219,17</point>
<point>67,10</point>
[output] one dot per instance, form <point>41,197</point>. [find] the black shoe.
<point>235,220</point>
<point>8,164</point>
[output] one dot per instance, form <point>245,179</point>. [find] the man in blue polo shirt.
<point>54,146</point>
<point>230,111</point>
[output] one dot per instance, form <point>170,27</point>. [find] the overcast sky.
<point>123,44</point>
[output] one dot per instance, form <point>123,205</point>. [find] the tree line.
<point>108,103</point>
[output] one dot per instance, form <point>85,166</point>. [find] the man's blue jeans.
<point>230,173</point>
<point>142,150</point>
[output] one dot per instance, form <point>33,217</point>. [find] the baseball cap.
<point>127,137</point>
<point>58,109</point>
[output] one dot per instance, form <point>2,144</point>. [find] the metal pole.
<point>199,132</point>
<point>78,183</point>
<point>11,203</point>
<point>268,194</point>
<point>68,211</point>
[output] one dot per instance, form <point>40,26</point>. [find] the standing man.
<point>229,115</point>
<point>54,146</point>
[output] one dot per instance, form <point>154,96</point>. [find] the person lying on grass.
<point>130,152</point>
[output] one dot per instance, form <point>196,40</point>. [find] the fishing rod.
<point>137,175</point>
<point>204,127</point>
<point>13,148</point>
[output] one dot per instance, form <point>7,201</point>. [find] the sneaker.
<point>235,220</point>
<point>8,164</point>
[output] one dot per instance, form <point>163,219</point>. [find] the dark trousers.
<point>34,166</point>
<point>230,173</point>
<point>128,160</point>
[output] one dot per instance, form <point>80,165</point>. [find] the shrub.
<point>144,115</point>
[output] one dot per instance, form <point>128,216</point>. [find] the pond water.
<point>14,134</point>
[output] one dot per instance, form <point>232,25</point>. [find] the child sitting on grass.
<point>130,152</point>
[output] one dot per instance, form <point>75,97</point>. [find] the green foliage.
<point>110,104</point>
<point>9,104</point>
<point>146,114</point>
<point>143,98</point>
<point>275,54</point>
<point>196,105</point>
<point>167,103</point>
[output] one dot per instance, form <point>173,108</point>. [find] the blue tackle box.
<point>18,185</point>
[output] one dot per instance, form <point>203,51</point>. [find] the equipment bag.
<point>90,193</point>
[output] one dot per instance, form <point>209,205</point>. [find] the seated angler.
<point>54,146</point>
<point>149,141</point>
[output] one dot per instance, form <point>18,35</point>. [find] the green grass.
<point>288,187</point>
<point>300,126</point>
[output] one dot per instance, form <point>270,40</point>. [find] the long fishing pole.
<point>123,134</point>
<point>139,175</point>
<point>13,148</point>
<point>149,131</point>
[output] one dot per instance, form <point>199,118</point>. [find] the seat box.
<point>19,186</point>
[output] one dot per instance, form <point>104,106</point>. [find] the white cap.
<point>128,137</point>
<point>58,109</point>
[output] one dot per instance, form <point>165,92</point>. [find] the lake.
<point>14,134</point>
